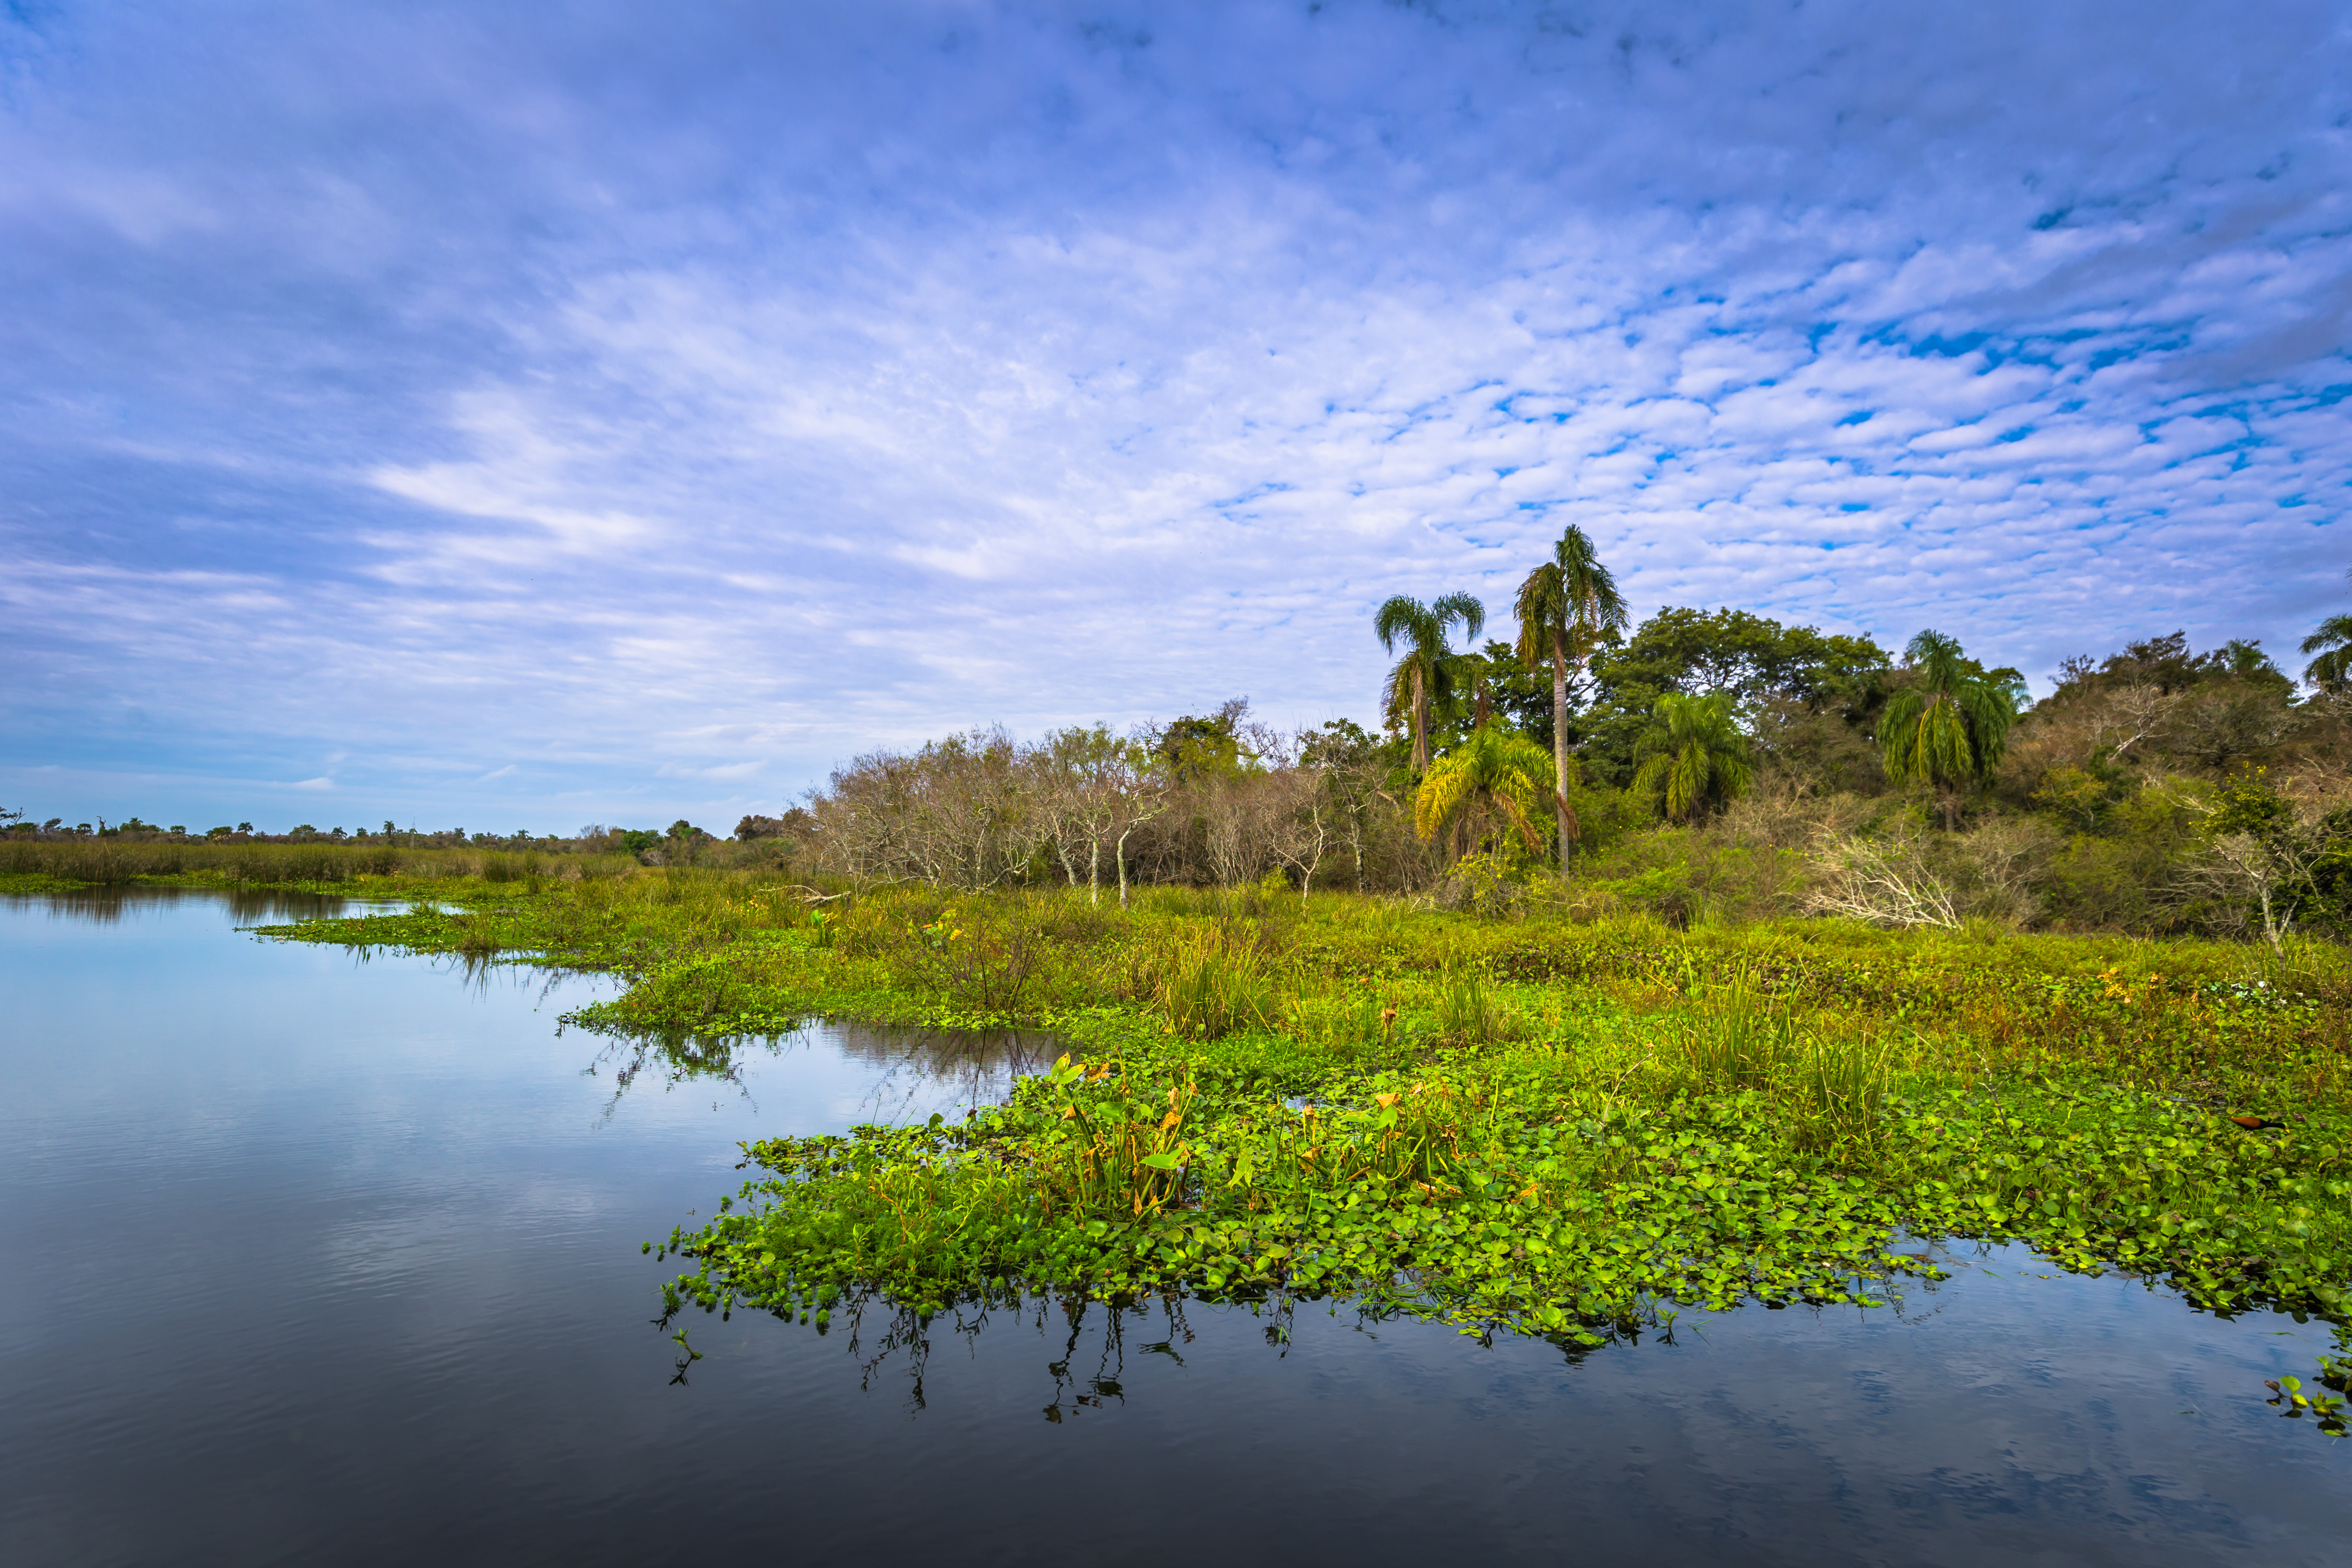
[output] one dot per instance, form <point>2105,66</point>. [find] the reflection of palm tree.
<point>1507,774</point>
<point>1425,674</point>
<point>1951,728</point>
<point>1693,756</point>
<point>1565,605</point>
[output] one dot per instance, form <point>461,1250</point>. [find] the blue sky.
<point>525,416</point>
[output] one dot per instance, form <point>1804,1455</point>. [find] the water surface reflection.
<point>243,906</point>
<point>910,1072</point>
<point>312,1260</point>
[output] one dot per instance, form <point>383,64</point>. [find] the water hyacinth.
<point>1541,1125</point>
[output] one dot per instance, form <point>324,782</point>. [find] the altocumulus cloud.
<point>630,410</point>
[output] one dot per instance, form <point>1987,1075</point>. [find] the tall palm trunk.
<point>1420,723</point>
<point>1570,829</point>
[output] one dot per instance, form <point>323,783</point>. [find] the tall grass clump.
<point>1839,1088</point>
<point>1736,1037</point>
<point>1212,982</point>
<point>1468,1011</point>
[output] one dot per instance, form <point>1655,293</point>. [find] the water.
<point>313,1258</point>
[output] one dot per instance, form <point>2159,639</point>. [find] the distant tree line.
<point>1703,764</point>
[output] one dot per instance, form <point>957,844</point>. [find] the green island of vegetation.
<point>1715,964</point>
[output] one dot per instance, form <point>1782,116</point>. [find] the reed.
<point>1469,1013</point>
<point>1736,1037</point>
<point>1211,984</point>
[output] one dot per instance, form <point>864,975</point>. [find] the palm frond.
<point>1443,791</point>
<point>1937,656</point>
<point>1693,754</point>
<point>1463,607</point>
<point>2336,631</point>
<point>2333,643</point>
<point>1518,819</point>
<point>1542,610</point>
<point>1406,617</point>
<point>1591,590</point>
<point>1506,770</point>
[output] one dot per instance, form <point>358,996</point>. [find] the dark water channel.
<point>316,1260</point>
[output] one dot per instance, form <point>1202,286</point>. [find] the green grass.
<point>1530,1126</point>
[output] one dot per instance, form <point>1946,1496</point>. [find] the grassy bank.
<point>1525,1126</point>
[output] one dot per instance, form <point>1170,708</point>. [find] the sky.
<point>517,416</point>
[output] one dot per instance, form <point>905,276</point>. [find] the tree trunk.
<point>1570,830</point>
<point>1094,875</point>
<point>1420,722</point>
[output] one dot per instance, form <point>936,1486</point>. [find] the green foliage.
<point>1425,675</point>
<point>1196,749</point>
<point>1211,983</point>
<point>1755,660</point>
<point>1566,605</point>
<point>1469,1014</point>
<point>114,862</point>
<point>981,956</point>
<point>1493,772</point>
<point>1737,1039</point>
<point>1536,1125</point>
<point>1951,725</point>
<point>1693,757</point>
<point>2082,798</point>
<point>2293,863</point>
<point>2333,643</point>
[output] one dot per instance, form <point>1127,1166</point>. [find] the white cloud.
<point>897,392</point>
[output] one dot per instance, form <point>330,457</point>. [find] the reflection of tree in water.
<point>918,1066</point>
<point>674,1058</point>
<point>976,1067</point>
<point>1087,1376</point>
<point>1093,1338</point>
<point>246,906</point>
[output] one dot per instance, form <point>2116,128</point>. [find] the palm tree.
<point>1425,674</point>
<point>1564,607</point>
<point>2333,643</point>
<point>1950,729</point>
<point>1693,756</point>
<point>1505,771</point>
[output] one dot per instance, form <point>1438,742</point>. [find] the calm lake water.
<point>321,1259</point>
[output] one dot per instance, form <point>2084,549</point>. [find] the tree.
<point>2332,670</point>
<point>1693,757</point>
<point>2287,856</point>
<point>1354,766</point>
<point>1564,607</point>
<point>1758,662</point>
<point>1194,750</point>
<point>1105,787</point>
<point>1507,774</point>
<point>1425,674</point>
<point>1949,727</point>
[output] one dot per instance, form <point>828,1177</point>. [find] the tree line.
<point>1700,765</point>
<point>2156,788</point>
